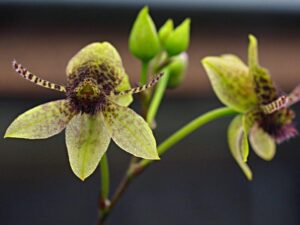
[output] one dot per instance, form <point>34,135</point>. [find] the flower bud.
<point>178,40</point>
<point>177,69</point>
<point>165,31</point>
<point>231,81</point>
<point>143,40</point>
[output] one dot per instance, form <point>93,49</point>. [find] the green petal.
<point>87,140</point>
<point>130,132</point>
<point>231,81</point>
<point>98,52</point>
<point>124,100</point>
<point>237,144</point>
<point>252,52</point>
<point>245,144</point>
<point>42,121</point>
<point>262,143</point>
<point>104,62</point>
<point>264,87</point>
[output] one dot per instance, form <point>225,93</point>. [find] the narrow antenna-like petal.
<point>23,72</point>
<point>276,105</point>
<point>294,96</point>
<point>141,88</point>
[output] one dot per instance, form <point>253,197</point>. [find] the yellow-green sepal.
<point>178,40</point>
<point>143,40</point>
<point>96,53</point>
<point>124,100</point>
<point>252,52</point>
<point>262,143</point>
<point>238,144</point>
<point>87,139</point>
<point>42,121</point>
<point>231,81</point>
<point>265,89</point>
<point>131,132</point>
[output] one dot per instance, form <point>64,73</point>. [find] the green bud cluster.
<point>146,44</point>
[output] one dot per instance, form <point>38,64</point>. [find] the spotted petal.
<point>130,132</point>
<point>102,62</point>
<point>231,81</point>
<point>123,100</point>
<point>42,121</point>
<point>238,144</point>
<point>264,87</point>
<point>87,140</point>
<point>95,52</point>
<point>262,143</point>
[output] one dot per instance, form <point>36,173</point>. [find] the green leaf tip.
<point>143,40</point>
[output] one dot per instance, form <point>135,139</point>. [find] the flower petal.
<point>264,87</point>
<point>294,96</point>
<point>246,123</point>
<point>123,100</point>
<point>231,81</point>
<point>238,144</point>
<point>95,52</point>
<point>131,132</point>
<point>100,61</point>
<point>262,143</point>
<point>87,140</point>
<point>280,103</point>
<point>42,121</point>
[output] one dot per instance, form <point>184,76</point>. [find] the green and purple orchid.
<point>264,117</point>
<point>94,111</point>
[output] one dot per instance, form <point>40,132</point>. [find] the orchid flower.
<point>93,112</point>
<point>264,115</point>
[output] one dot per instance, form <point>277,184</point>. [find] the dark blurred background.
<point>197,181</point>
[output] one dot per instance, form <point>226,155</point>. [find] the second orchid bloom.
<point>264,118</point>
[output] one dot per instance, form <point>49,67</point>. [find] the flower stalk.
<point>144,73</point>
<point>105,184</point>
<point>137,168</point>
<point>157,97</point>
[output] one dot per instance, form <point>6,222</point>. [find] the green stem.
<point>158,95</point>
<point>135,169</point>
<point>145,95</point>
<point>187,129</point>
<point>104,168</point>
<point>144,73</point>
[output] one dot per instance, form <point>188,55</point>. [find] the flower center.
<point>279,124</point>
<point>88,89</point>
<point>86,96</point>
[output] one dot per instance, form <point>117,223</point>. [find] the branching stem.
<point>137,168</point>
